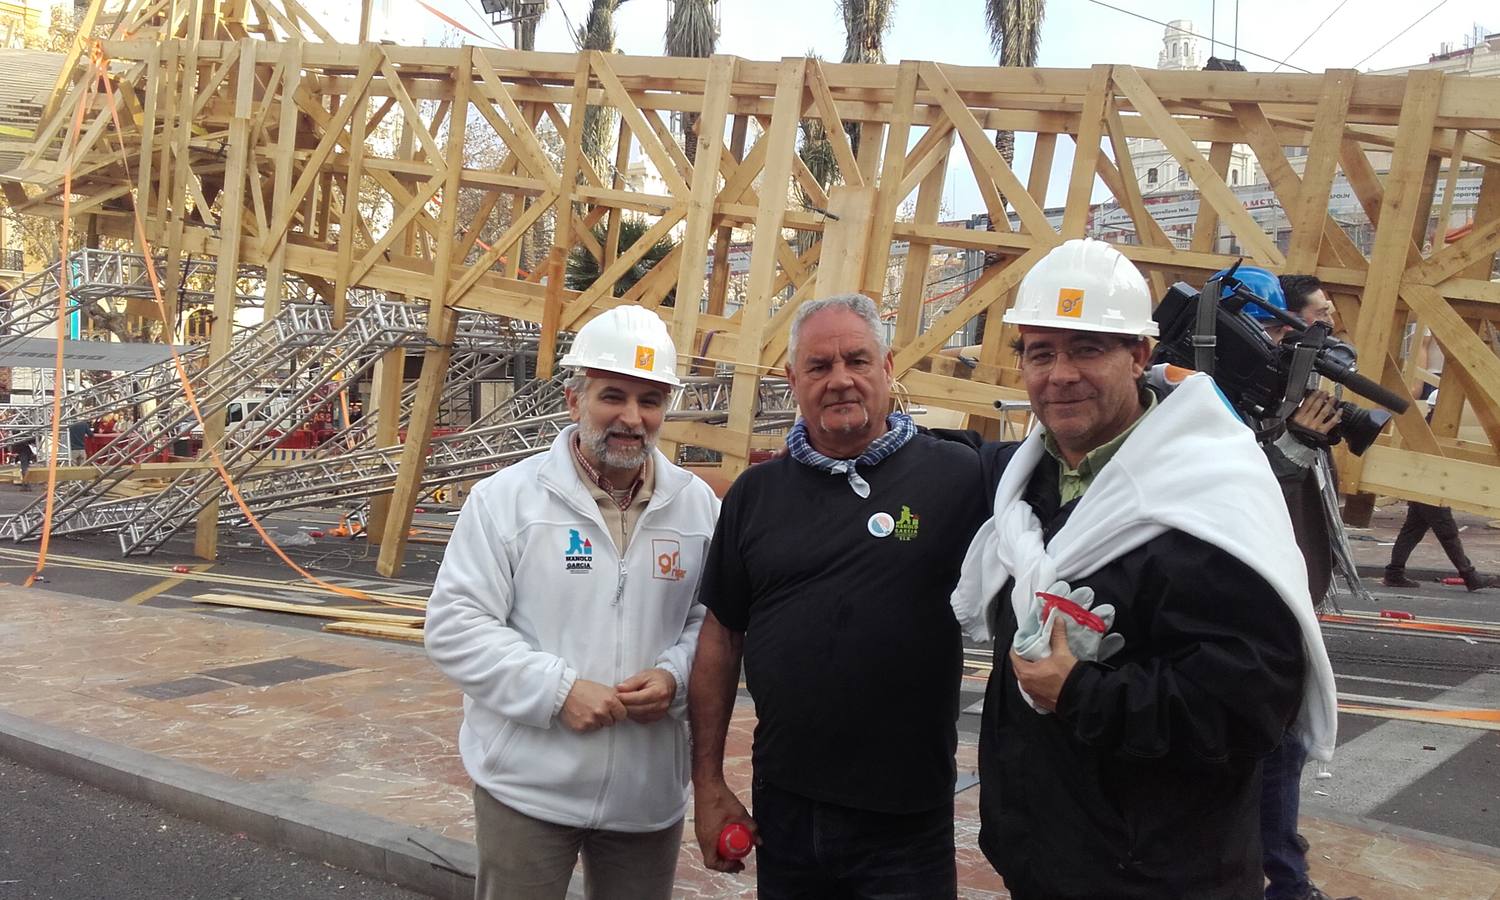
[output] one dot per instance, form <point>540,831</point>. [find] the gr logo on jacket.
<point>533,595</point>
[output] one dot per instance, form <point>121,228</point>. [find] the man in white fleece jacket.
<point>565,608</point>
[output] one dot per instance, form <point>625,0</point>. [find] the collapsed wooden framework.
<point>247,136</point>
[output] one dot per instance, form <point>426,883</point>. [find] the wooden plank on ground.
<point>368,617</point>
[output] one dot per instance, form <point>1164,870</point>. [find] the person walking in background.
<point>1424,517</point>
<point>25,456</point>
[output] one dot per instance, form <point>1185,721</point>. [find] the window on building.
<point>1151,176</point>
<point>199,326</point>
<point>1182,176</point>
<point>1234,177</point>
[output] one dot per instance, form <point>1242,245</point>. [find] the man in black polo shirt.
<point>829,576</point>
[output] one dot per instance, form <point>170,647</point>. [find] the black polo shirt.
<point>852,654</point>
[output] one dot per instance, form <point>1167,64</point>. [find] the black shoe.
<point>1398,581</point>
<point>1477,582</point>
<point>1301,844</point>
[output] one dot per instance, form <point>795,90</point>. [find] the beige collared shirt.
<point>621,522</point>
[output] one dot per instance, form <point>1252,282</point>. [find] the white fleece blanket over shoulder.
<point>1190,465</point>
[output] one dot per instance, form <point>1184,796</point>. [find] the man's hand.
<point>591,706</point>
<point>714,807</point>
<point>1318,413</point>
<point>1043,680</point>
<point>646,695</point>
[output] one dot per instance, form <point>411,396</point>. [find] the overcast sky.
<point>1076,33</point>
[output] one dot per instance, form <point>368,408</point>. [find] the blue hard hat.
<point>1260,283</point>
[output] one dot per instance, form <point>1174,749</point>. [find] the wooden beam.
<point>226,277</point>
<point>695,236</point>
<point>1311,209</point>
<point>1398,212</point>
<point>781,138</point>
<point>441,320</point>
<point>1211,188</point>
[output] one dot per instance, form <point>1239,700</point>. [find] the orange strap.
<point>59,374</point>
<point>96,72</point>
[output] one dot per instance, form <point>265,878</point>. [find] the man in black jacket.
<point>1127,764</point>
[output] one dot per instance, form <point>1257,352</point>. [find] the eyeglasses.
<point>1042,359</point>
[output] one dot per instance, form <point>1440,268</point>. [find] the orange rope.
<point>97,56</point>
<point>59,374</point>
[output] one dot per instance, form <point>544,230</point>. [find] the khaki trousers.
<point>522,858</point>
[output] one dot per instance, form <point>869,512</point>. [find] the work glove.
<point>1088,631</point>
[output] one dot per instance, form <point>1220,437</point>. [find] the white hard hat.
<point>626,340</point>
<point>1084,285</point>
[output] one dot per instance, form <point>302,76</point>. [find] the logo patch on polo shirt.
<point>907,525</point>
<point>579,557</point>
<point>881,524</point>
<point>668,560</point>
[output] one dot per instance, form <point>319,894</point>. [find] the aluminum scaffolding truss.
<point>93,276</point>
<point>531,420</point>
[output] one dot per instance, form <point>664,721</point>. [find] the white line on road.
<point>1372,768</point>
<point>1394,681</point>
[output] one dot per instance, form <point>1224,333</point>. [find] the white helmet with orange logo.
<point>626,340</point>
<point>1084,285</point>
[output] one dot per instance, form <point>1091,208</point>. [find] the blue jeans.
<point>821,851</point>
<point>1282,854</point>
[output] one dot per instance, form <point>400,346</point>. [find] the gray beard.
<point>596,442</point>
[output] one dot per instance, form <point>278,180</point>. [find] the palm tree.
<point>583,269</point>
<point>691,31</point>
<point>1015,34</point>
<point>598,33</point>
<point>865,25</point>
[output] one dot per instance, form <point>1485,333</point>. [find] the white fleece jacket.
<point>1191,466</point>
<point>533,595</point>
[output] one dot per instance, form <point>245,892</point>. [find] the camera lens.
<point>1359,427</point>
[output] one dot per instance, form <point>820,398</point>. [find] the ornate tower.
<point>1179,48</point>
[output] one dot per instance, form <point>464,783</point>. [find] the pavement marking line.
<point>1427,685</point>
<point>1372,700</point>
<point>1374,767</point>
<point>166,584</point>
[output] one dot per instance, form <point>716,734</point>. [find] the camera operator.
<point>1294,458</point>
<point>1307,300</point>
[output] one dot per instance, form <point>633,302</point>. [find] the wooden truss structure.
<point>248,136</point>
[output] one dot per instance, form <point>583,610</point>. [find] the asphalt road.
<point>64,840</point>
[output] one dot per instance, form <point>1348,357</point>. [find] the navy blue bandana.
<point>901,430</point>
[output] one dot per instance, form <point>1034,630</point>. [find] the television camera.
<point>1263,379</point>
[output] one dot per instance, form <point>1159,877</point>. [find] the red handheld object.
<point>1396,614</point>
<point>1072,610</point>
<point>735,841</point>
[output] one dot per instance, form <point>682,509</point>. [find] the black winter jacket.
<point>1146,782</point>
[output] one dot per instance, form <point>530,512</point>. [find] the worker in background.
<point>1298,455</point>
<point>565,610</point>
<point>78,434</point>
<point>25,456</point>
<point>1422,517</point>
<point>828,578</point>
<point>1307,300</point>
<point>1151,648</point>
